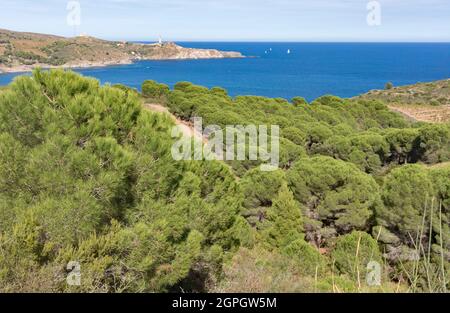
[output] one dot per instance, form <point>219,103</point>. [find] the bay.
<point>309,70</point>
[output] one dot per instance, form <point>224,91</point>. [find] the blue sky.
<point>240,20</point>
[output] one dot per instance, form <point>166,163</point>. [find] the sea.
<point>287,70</point>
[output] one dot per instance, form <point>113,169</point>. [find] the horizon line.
<point>282,41</point>
<point>111,38</point>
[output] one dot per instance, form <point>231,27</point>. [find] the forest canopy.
<point>87,176</point>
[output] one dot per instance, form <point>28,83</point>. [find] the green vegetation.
<point>155,91</point>
<point>354,251</point>
<point>284,223</point>
<point>336,195</point>
<point>87,175</point>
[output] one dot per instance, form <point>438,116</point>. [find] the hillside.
<point>424,102</point>
<point>435,93</point>
<point>24,51</point>
<point>87,175</point>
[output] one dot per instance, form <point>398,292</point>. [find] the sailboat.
<point>289,51</point>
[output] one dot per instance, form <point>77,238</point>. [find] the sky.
<point>235,20</point>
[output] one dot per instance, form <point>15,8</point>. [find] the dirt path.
<point>438,114</point>
<point>186,127</point>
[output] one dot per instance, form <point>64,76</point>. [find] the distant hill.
<point>424,102</point>
<point>25,51</point>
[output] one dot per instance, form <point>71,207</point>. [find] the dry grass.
<point>261,271</point>
<point>433,93</point>
<point>423,102</point>
<point>32,46</point>
<point>423,113</point>
<point>425,275</point>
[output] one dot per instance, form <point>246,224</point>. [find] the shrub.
<point>403,145</point>
<point>299,101</point>
<point>295,135</point>
<point>284,222</point>
<point>388,86</point>
<point>260,188</point>
<point>353,252</point>
<point>126,89</point>
<point>434,143</point>
<point>308,258</point>
<point>328,100</point>
<point>334,192</point>
<point>154,90</point>
<point>407,192</point>
<point>219,91</point>
<point>316,135</point>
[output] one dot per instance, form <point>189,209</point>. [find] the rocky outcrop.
<point>169,51</point>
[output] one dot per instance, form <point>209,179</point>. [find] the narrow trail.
<point>186,127</point>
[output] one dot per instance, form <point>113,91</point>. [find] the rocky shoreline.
<point>22,52</point>
<point>29,68</point>
<point>184,54</point>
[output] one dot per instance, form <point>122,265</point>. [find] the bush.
<point>388,86</point>
<point>308,258</point>
<point>434,143</point>
<point>219,91</point>
<point>335,193</point>
<point>284,222</point>
<point>154,90</point>
<point>316,135</point>
<point>260,188</point>
<point>407,193</point>
<point>126,89</point>
<point>353,252</point>
<point>299,101</point>
<point>295,135</point>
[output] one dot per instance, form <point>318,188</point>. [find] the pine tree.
<point>284,219</point>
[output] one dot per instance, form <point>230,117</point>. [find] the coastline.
<point>22,52</point>
<point>30,68</point>
<point>99,64</point>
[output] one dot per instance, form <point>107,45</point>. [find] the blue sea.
<point>309,70</point>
